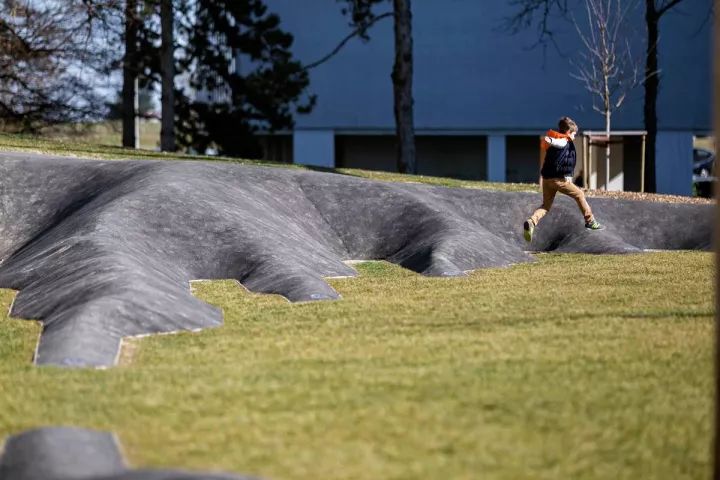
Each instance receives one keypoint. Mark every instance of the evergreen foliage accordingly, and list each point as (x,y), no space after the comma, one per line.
(235,73)
(240,60)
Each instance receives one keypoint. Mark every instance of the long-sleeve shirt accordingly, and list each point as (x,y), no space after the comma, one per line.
(557,142)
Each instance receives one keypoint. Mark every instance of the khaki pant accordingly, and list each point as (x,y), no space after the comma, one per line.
(550,186)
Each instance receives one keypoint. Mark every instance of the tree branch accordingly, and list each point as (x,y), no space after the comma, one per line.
(358,31)
(667,7)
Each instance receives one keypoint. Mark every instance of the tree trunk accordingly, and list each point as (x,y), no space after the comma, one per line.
(651,93)
(607,150)
(130,127)
(167,65)
(402,87)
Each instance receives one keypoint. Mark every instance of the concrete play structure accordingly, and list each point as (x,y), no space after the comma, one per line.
(101,250)
(64,453)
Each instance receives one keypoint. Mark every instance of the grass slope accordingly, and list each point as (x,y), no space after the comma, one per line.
(101,140)
(108,132)
(89,147)
(575,366)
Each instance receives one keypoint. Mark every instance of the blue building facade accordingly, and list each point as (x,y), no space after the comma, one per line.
(483,96)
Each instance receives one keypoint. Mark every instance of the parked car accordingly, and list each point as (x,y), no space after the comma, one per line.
(704,172)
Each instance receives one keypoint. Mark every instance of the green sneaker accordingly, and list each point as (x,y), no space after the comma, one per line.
(528,229)
(594,225)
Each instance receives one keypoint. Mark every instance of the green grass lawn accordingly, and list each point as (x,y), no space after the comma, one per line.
(100,142)
(575,366)
(103,133)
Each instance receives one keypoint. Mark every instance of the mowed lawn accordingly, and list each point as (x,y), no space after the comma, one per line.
(95,144)
(575,366)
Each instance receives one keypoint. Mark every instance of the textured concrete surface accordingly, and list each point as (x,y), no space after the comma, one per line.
(100,250)
(63,453)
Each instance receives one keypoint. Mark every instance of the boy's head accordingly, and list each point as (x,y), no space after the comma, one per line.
(568,126)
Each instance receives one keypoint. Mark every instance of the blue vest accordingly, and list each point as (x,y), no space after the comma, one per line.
(559,162)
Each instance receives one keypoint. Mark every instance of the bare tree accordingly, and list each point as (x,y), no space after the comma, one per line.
(49,53)
(608,68)
(527,14)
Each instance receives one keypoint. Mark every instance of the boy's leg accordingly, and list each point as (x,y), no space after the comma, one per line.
(549,189)
(572,190)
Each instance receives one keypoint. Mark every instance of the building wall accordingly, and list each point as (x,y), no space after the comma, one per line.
(674,161)
(315,148)
(473,79)
(470,75)
(523,158)
(464,156)
(458,157)
(444,156)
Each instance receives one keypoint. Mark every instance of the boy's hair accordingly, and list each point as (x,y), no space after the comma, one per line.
(566,125)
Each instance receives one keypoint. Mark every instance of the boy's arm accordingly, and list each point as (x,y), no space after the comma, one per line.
(556,142)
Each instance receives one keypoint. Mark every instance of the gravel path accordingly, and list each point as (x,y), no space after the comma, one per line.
(649,197)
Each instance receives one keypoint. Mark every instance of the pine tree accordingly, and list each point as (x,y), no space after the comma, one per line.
(240,61)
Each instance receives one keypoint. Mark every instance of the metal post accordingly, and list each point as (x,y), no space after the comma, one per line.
(642,165)
(136,109)
(586,177)
(590,164)
(607,164)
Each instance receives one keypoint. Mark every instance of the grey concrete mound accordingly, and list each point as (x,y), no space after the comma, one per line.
(63,453)
(101,250)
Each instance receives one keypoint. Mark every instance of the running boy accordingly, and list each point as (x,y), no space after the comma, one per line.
(557,176)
